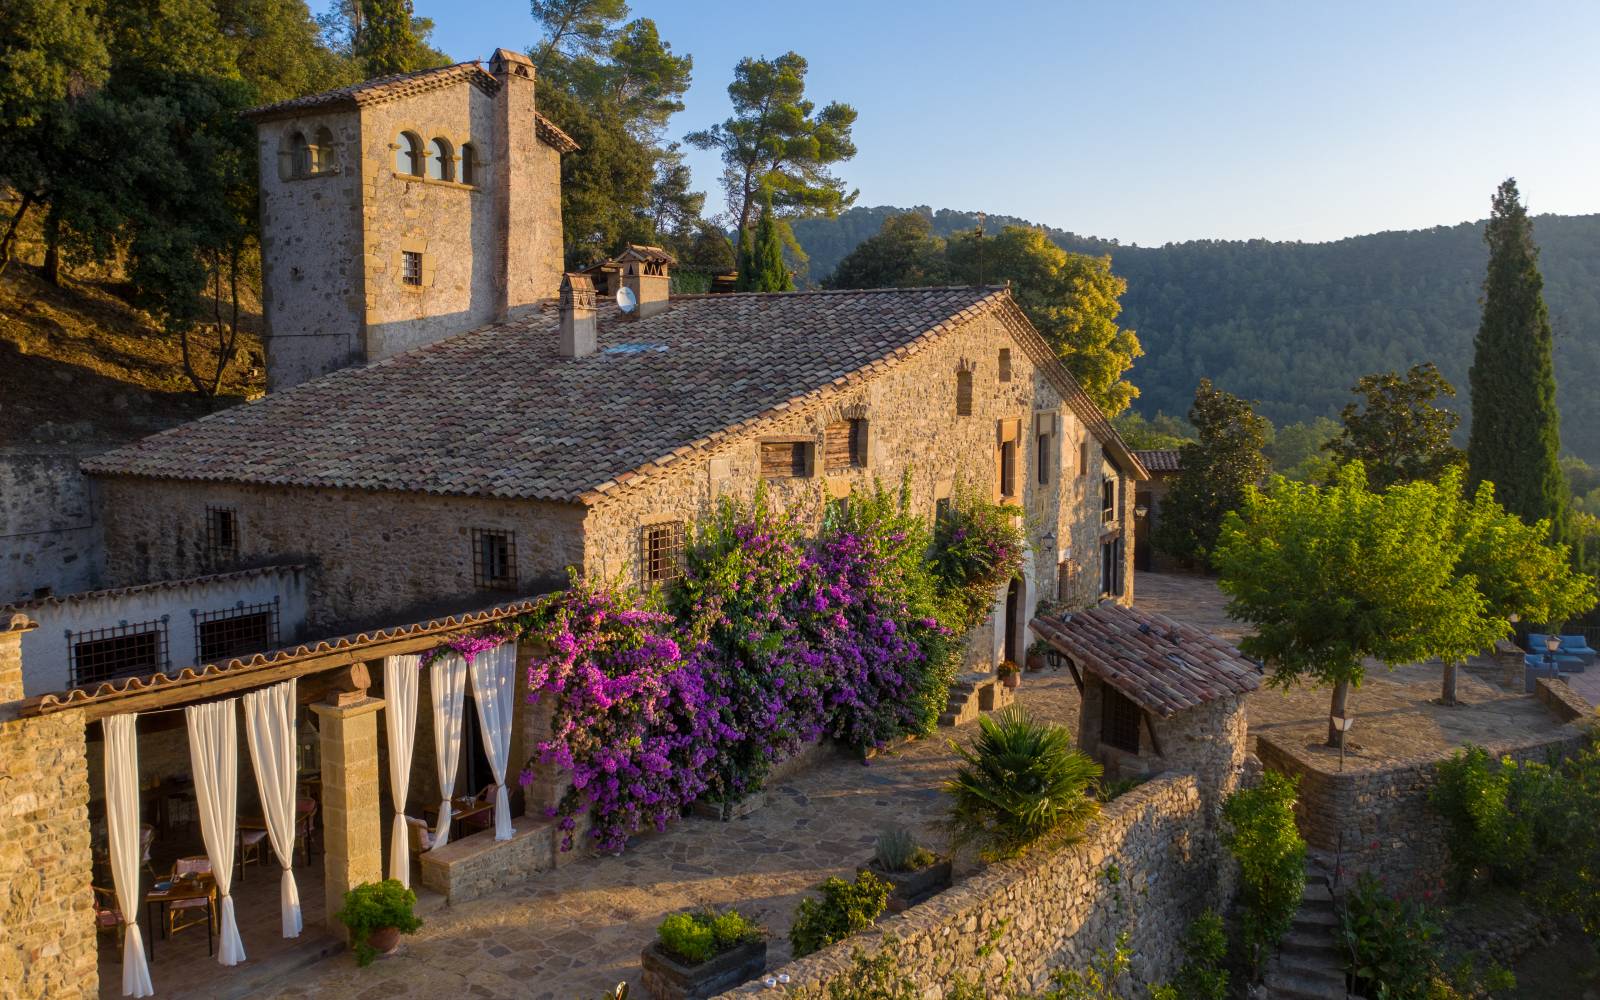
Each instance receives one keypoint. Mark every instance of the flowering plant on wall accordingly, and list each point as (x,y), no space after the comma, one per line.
(977,547)
(470,644)
(632,721)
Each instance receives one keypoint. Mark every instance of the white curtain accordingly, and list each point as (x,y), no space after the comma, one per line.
(493,686)
(122,826)
(400,718)
(447,680)
(269,726)
(214,759)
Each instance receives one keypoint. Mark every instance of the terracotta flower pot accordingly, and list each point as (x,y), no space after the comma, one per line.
(384,940)
(1035,662)
(1011,680)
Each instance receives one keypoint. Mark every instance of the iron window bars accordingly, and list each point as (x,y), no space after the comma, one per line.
(122,650)
(237,631)
(494,559)
(661,552)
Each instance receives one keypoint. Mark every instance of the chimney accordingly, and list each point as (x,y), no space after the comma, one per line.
(515,178)
(644,273)
(577,317)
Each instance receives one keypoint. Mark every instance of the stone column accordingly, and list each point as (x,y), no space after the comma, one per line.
(352,830)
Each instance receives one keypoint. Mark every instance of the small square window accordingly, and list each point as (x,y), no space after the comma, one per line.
(1108,500)
(845,445)
(1119,720)
(1005,364)
(1008,470)
(235,632)
(119,651)
(222,532)
(963,394)
(1043,462)
(661,552)
(411,267)
(786,459)
(1083,459)
(494,559)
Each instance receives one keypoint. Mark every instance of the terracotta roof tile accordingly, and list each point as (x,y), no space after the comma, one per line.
(1164,666)
(496,412)
(1163,460)
(56,600)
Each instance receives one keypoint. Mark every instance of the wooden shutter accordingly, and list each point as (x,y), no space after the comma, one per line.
(963,394)
(783,459)
(838,445)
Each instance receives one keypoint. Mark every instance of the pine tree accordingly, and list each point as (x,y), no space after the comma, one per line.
(1516,432)
(768,272)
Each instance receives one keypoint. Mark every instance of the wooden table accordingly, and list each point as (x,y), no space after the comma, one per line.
(204,887)
(460,808)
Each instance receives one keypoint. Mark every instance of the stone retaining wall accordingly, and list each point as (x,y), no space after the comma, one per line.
(1147,866)
(1379,819)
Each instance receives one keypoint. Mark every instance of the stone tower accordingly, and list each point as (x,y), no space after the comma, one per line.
(403,210)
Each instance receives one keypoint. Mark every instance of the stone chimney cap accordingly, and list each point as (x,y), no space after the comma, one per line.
(576,281)
(502,57)
(649,254)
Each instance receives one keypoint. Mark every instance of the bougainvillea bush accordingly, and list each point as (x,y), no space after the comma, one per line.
(633,721)
(977,549)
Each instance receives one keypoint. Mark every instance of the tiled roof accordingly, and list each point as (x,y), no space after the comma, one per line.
(1164,666)
(1164,460)
(56,600)
(496,412)
(392,88)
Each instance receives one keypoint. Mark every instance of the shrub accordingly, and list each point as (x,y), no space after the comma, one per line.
(1203,975)
(1019,780)
(1099,980)
(698,937)
(1493,811)
(373,906)
(1393,950)
(1261,834)
(845,908)
(875,977)
(897,850)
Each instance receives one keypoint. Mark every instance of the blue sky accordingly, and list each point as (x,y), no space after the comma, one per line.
(1153,121)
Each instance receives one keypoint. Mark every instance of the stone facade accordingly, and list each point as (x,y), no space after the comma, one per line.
(334,288)
(352,833)
(376,557)
(1209,740)
(48,947)
(48,537)
(1379,819)
(1147,866)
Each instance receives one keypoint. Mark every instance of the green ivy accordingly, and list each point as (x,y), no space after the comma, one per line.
(1204,973)
(1262,836)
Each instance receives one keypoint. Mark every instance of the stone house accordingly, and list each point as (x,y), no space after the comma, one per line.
(1163,466)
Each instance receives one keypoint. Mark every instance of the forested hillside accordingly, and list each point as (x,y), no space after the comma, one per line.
(1293,325)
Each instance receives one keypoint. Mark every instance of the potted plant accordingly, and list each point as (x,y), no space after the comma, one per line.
(1009,674)
(915,872)
(701,954)
(1037,651)
(377,913)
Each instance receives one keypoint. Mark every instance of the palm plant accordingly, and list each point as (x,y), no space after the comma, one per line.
(1019,781)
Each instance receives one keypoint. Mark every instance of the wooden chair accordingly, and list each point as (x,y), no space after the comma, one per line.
(147,836)
(483,820)
(107,915)
(421,835)
(305,821)
(180,912)
(250,848)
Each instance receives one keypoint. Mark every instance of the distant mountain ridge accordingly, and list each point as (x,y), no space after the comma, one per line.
(1293,325)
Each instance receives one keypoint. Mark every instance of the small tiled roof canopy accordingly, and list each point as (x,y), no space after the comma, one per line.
(498,412)
(1163,666)
(392,88)
(1164,460)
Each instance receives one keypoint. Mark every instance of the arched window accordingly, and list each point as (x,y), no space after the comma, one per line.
(408,158)
(322,158)
(299,156)
(469,164)
(441,162)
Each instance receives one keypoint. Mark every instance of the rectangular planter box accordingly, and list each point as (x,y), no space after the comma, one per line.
(664,978)
(911,888)
(725,811)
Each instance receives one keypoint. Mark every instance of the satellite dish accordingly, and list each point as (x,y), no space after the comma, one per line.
(626,300)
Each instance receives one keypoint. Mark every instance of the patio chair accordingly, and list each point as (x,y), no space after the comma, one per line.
(1578,645)
(421,835)
(483,820)
(107,916)
(250,849)
(181,912)
(147,836)
(1535,668)
(305,821)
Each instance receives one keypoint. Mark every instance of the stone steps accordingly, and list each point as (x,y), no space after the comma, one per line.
(973,694)
(1309,964)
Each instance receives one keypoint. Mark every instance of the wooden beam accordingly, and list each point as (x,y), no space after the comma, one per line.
(1150,726)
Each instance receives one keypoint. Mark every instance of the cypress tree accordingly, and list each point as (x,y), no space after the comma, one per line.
(1515,437)
(768,273)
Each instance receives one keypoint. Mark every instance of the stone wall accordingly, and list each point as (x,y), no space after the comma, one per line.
(1380,819)
(48,537)
(47,947)
(379,558)
(1147,866)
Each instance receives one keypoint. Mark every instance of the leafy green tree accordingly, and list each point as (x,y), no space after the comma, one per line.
(1260,833)
(387,40)
(903,254)
(1515,437)
(280,51)
(778,140)
(1397,432)
(1072,298)
(612,85)
(1217,472)
(1162,433)
(766,270)
(49,49)
(1299,450)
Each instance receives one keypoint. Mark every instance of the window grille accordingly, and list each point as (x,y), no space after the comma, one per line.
(222,532)
(494,559)
(845,445)
(411,267)
(233,632)
(125,650)
(1005,364)
(1119,719)
(661,552)
(785,459)
(963,394)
